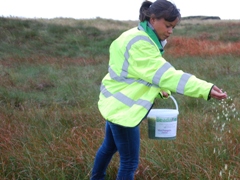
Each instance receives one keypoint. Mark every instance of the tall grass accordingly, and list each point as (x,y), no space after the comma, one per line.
(50,73)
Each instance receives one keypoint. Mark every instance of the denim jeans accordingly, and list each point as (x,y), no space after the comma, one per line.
(125,140)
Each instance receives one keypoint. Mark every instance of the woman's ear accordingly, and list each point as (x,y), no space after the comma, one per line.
(152,20)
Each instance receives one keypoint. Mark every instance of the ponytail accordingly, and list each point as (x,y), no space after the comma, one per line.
(144,12)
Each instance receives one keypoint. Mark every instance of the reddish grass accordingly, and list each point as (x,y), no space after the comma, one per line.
(177,47)
(181,46)
(9,133)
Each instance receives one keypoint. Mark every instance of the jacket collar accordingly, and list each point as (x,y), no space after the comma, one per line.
(147,27)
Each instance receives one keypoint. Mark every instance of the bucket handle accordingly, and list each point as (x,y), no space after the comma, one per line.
(174,100)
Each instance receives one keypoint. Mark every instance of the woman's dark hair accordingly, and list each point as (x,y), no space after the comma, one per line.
(159,9)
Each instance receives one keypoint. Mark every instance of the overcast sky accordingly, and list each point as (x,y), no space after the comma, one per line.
(111,9)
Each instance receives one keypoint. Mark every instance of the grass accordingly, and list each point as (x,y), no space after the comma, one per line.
(29,37)
(50,74)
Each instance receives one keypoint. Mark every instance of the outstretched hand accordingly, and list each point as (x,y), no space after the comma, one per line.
(217,93)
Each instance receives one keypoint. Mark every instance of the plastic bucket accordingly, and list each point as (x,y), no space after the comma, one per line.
(162,123)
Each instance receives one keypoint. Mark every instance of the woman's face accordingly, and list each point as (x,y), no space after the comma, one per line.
(162,27)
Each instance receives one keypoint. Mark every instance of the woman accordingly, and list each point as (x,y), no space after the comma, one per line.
(137,74)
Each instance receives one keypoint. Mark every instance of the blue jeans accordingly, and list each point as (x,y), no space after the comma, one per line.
(126,141)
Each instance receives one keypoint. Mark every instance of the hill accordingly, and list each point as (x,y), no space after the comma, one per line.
(202,17)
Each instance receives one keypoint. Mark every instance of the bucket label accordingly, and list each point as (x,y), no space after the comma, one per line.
(166,127)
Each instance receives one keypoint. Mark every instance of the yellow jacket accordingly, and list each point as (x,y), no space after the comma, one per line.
(137,73)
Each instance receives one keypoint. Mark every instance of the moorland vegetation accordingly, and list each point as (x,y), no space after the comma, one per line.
(50,74)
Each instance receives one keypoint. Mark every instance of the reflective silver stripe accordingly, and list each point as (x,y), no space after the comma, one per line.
(124,72)
(123,78)
(129,102)
(126,100)
(182,83)
(114,76)
(104,91)
(144,103)
(160,72)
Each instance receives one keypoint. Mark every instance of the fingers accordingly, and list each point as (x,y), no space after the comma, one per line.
(217,89)
(218,93)
(220,96)
(165,94)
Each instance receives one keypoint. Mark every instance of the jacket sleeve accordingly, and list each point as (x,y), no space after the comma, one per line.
(147,63)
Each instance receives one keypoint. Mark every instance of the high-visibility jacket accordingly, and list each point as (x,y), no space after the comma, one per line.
(137,73)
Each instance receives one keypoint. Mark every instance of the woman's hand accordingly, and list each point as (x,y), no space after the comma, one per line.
(217,93)
(165,94)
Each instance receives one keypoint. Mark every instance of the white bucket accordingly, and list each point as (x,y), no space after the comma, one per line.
(162,123)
